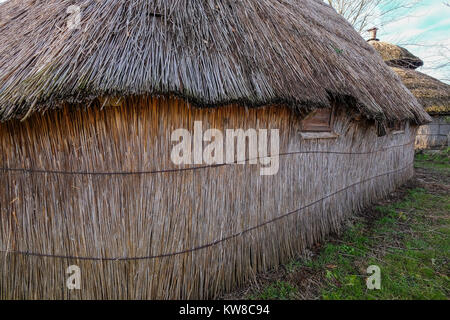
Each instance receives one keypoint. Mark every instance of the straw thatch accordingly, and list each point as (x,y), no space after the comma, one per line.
(396,56)
(433,94)
(253,52)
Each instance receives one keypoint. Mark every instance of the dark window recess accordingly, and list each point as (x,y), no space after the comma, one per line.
(156,14)
(381,129)
(396,126)
(320,120)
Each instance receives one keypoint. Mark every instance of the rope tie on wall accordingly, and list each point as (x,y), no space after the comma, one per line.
(211,244)
(43,171)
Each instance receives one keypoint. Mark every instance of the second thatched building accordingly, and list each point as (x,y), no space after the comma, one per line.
(434,95)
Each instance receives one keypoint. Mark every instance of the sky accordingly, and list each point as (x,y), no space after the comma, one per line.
(425,31)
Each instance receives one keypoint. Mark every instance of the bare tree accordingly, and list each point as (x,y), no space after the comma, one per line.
(363,14)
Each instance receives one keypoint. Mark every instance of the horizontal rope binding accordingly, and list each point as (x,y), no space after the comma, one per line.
(24,170)
(214,243)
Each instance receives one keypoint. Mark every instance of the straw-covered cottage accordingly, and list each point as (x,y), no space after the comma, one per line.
(433,94)
(92,94)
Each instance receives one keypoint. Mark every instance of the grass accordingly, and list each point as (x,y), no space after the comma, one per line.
(407,236)
(410,243)
(279,290)
(438,161)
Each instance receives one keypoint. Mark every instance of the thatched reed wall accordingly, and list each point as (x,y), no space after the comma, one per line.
(435,135)
(140,234)
(434,96)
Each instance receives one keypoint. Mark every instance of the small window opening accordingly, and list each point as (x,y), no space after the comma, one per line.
(396,126)
(381,129)
(318,125)
(320,120)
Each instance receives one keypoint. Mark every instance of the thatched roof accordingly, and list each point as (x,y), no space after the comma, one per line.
(396,56)
(253,52)
(433,94)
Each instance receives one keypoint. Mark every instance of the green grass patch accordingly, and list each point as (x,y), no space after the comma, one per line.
(280,290)
(439,161)
(409,241)
(410,244)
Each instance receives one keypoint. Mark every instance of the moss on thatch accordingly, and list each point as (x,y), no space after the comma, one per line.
(253,52)
(396,56)
(432,93)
